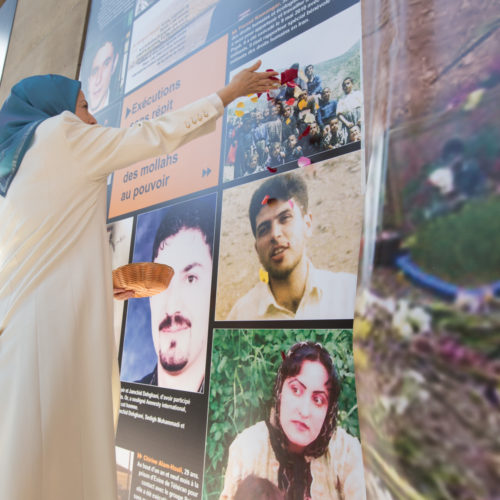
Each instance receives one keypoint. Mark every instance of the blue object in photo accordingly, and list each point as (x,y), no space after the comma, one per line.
(440,287)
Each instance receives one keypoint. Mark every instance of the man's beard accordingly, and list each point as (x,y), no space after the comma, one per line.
(281,274)
(169,359)
(170,364)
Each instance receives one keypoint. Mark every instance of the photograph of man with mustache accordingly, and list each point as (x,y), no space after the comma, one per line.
(291,288)
(179,314)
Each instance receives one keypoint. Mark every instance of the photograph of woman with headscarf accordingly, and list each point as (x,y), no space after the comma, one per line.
(299,446)
(58,365)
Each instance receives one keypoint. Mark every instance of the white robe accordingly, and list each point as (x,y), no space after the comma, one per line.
(57,353)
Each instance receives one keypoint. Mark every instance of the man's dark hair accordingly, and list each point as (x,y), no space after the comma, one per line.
(345,80)
(452,148)
(196,215)
(282,187)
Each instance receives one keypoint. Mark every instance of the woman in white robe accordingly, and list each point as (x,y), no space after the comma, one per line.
(57,355)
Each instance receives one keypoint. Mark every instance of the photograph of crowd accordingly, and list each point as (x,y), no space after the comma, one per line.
(319,109)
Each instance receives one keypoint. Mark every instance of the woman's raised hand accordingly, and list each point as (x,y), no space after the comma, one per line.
(248,81)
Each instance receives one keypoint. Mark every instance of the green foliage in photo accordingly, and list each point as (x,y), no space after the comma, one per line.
(462,247)
(244,367)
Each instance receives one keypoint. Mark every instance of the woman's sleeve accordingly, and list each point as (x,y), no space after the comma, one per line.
(233,471)
(353,475)
(101,150)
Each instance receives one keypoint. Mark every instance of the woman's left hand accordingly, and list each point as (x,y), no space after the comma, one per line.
(123,294)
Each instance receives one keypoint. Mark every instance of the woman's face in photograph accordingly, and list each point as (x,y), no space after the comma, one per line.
(303,405)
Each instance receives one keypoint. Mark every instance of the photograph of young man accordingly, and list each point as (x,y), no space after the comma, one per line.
(292,288)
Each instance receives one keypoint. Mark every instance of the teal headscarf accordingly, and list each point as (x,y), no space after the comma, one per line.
(31,101)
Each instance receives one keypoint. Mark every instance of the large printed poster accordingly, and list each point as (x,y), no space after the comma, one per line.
(238,379)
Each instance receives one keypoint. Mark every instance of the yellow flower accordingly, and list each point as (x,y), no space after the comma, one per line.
(360,358)
(263,276)
(361,328)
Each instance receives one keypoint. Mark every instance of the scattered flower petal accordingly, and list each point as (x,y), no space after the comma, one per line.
(254,98)
(265,200)
(239,113)
(290,201)
(305,132)
(240,105)
(290,101)
(263,276)
(271,169)
(289,75)
(303,161)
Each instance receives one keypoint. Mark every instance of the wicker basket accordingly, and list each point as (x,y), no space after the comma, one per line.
(144,278)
